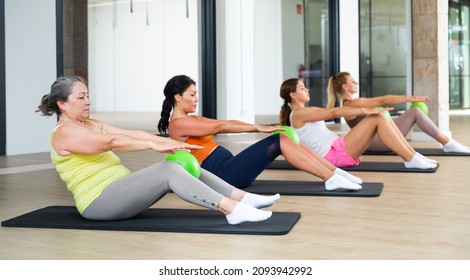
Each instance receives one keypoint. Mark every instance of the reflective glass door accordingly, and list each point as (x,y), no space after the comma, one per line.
(316,70)
(385,48)
(459,55)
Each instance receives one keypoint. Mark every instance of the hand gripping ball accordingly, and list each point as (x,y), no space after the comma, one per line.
(289,131)
(420,105)
(187,161)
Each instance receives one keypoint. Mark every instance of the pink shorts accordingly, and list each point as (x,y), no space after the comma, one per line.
(338,155)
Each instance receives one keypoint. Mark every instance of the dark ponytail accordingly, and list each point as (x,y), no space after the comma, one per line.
(284,115)
(176,85)
(165,115)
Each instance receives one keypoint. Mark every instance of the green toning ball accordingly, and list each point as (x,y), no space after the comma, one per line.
(289,131)
(420,105)
(187,161)
(386,113)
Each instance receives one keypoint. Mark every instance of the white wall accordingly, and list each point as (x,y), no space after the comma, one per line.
(349,37)
(30,53)
(268,65)
(133,55)
(235,60)
(252,54)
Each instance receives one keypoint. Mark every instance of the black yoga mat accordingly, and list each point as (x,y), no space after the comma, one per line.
(371,166)
(309,188)
(423,151)
(158,220)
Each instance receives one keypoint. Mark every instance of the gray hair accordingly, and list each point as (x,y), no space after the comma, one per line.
(60,91)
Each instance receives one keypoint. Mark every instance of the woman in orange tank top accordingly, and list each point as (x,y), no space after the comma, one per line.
(242,169)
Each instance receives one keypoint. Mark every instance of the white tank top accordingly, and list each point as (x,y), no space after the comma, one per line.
(316,135)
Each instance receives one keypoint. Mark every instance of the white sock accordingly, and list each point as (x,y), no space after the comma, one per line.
(349,176)
(245,213)
(259,201)
(426,159)
(420,163)
(456,147)
(339,182)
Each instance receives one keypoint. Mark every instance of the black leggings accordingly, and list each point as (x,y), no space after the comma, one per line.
(241,170)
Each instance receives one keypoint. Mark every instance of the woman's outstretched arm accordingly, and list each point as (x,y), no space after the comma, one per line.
(383,100)
(200,126)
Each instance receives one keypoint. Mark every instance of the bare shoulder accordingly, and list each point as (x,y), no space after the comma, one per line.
(184,120)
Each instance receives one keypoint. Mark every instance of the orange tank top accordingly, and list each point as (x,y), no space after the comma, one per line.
(205,141)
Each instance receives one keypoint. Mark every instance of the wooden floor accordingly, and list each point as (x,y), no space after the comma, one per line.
(417,216)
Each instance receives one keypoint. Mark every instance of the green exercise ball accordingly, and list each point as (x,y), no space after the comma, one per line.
(386,113)
(187,161)
(289,131)
(420,105)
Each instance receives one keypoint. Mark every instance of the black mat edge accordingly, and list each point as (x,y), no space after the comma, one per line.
(207,220)
(366,166)
(311,188)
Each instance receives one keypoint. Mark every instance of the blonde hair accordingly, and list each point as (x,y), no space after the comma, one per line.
(335,86)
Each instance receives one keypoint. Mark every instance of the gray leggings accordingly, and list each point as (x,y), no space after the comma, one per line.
(404,123)
(130,195)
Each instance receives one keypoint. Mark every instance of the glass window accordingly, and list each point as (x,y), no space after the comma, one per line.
(128,50)
(135,47)
(291,41)
(384,47)
(459,55)
(315,72)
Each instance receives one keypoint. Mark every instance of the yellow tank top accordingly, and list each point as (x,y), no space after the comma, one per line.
(86,176)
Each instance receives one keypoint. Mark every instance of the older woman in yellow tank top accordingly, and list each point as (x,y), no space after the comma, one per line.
(82,149)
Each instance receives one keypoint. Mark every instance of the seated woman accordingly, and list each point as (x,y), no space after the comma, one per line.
(309,122)
(104,189)
(240,170)
(344,85)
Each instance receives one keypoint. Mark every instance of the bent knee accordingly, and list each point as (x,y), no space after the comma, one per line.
(377,117)
(169,167)
(418,113)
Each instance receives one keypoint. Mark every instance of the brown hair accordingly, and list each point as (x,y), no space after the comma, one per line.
(287,87)
(335,86)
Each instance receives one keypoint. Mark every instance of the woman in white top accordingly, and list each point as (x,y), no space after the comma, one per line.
(309,122)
